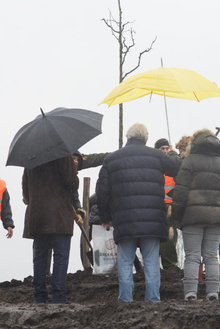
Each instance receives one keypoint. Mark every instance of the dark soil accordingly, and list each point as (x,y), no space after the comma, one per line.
(92,303)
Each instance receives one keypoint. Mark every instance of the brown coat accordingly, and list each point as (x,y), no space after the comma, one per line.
(47,190)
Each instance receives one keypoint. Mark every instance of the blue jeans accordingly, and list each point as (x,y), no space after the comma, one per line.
(126,250)
(60,243)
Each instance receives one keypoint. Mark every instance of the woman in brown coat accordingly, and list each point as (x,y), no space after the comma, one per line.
(47,189)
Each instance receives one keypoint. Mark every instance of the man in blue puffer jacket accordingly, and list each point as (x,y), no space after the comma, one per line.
(130,197)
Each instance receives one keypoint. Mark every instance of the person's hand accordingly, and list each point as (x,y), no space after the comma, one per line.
(107,225)
(79,221)
(171,233)
(10,233)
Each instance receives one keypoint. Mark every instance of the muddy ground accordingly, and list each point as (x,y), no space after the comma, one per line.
(92,303)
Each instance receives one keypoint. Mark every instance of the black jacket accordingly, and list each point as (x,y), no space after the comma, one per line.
(130,190)
(93,210)
(6,213)
(196,198)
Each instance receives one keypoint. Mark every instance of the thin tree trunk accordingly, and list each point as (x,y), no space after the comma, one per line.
(120,75)
(84,245)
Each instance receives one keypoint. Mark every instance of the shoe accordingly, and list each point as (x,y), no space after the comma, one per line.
(212,296)
(191,296)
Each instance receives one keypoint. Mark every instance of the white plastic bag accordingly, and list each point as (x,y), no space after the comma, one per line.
(104,251)
(180,250)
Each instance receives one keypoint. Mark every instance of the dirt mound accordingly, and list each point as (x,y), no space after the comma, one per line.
(92,303)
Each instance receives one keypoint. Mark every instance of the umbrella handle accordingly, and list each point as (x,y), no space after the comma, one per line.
(217,132)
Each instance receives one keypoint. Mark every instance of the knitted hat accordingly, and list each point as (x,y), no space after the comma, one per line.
(161,142)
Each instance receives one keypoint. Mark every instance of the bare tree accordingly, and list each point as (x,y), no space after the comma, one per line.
(120,30)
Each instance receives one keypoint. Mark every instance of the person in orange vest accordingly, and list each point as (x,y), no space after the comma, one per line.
(168,249)
(5,209)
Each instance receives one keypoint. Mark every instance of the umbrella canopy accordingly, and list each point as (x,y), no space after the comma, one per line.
(53,135)
(171,82)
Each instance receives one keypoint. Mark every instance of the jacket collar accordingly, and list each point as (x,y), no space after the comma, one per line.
(134,141)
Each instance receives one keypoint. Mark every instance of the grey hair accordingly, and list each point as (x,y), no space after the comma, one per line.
(138,131)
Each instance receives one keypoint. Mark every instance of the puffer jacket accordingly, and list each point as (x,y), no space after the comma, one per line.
(196,198)
(93,210)
(130,190)
(47,189)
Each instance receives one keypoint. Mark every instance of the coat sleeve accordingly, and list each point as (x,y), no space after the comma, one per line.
(92,200)
(103,195)
(68,173)
(77,204)
(171,163)
(181,192)
(6,213)
(93,160)
(25,187)
(76,201)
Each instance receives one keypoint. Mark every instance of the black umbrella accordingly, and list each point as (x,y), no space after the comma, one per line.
(53,135)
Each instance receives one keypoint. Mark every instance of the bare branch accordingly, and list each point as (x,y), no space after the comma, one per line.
(120,31)
(139,59)
(127,48)
(112,29)
(124,25)
(109,22)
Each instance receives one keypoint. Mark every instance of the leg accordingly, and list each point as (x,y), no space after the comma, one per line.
(210,258)
(41,246)
(125,255)
(168,254)
(150,251)
(168,249)
(192,239)
(49,261)
(61,247)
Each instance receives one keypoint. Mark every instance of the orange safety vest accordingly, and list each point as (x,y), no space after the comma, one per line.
(2,190)
(168,186)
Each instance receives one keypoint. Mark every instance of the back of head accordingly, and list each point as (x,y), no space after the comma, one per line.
(161,142)
(183,142)
(184,146)
(138,131)
(201,134)
(204,141)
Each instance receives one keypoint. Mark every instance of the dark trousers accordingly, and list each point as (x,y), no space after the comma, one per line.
(60,243)
(168,249)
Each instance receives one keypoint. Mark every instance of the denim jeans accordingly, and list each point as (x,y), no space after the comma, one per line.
(201,241)
(126,254)
(60,243)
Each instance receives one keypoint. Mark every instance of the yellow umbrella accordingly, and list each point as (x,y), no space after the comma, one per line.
(171,82)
